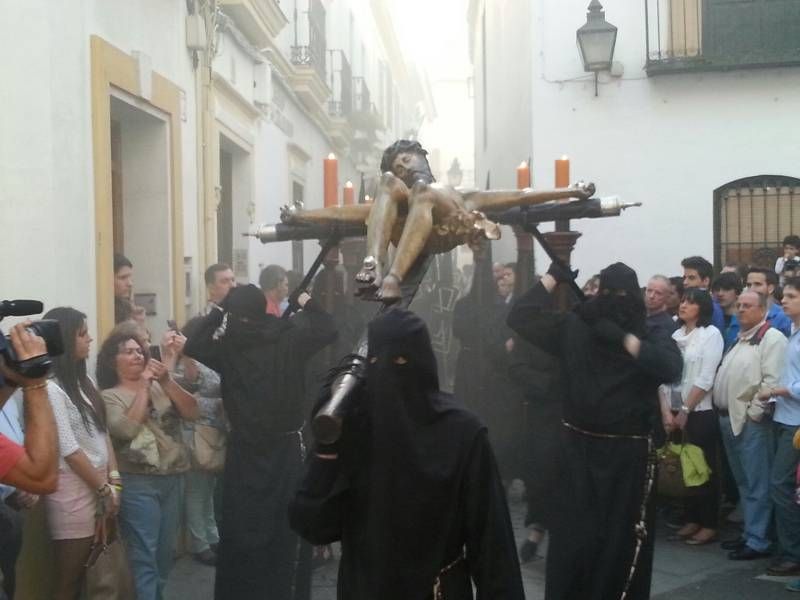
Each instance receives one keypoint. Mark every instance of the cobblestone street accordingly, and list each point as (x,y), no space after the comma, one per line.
(680,573)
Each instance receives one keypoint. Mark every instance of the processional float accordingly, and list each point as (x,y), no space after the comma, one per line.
(420,219)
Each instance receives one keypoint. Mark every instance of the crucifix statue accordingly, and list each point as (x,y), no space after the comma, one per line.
(420,216)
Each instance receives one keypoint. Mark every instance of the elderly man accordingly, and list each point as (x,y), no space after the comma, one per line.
(655,301)
(753,363)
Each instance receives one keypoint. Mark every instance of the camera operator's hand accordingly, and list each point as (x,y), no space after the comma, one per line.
(27,345)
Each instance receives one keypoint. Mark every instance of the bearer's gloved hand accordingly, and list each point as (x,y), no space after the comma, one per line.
(560,274)
(607,330)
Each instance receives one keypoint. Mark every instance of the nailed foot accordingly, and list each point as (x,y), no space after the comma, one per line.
(390,290)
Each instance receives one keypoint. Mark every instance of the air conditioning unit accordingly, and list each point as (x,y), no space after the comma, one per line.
(262,83)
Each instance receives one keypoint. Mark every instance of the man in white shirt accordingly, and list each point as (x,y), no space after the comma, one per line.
(753,363)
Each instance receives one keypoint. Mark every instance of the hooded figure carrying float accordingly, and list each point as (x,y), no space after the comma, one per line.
(601,544)
(412,488)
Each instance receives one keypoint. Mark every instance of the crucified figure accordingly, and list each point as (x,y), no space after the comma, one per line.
(420,216)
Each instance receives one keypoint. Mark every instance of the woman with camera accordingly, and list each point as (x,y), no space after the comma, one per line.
(88,481)
(145,407)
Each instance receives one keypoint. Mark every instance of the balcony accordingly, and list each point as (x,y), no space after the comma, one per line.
(308,54)
(364,116)
(340,82)
(718,35)
(260,20)
(308,49)
(340,104)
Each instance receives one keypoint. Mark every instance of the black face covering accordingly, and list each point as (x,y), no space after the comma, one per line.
(401,368)
(619,299)
(247,320)
(411,457)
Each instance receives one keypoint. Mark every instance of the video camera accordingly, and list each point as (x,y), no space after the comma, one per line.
(48,329)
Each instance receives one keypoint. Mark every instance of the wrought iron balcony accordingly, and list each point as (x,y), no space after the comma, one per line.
(340,81)
(697,35)
(365,115)
(309,36)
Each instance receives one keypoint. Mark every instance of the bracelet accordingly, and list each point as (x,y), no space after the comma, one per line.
(114,475)
(685,409)
(38,386)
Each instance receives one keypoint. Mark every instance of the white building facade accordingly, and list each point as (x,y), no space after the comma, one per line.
(697,120)
(166,130)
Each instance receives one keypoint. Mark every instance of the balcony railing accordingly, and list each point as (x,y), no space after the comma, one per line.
(691,35)
(340,81)
(309,36)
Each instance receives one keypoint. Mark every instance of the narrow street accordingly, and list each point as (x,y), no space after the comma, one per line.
(680,573)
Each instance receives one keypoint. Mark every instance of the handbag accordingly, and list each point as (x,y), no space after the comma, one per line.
(682,468)
(108,576)
(209,448)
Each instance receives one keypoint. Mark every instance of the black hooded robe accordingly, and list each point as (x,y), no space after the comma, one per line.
(261,364)
(415,489)
(600,491)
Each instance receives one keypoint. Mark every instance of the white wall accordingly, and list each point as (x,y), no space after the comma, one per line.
(46,201)
(666,141)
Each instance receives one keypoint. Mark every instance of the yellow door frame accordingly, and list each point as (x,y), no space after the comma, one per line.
(113,68)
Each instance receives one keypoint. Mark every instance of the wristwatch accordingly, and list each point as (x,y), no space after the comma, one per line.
(685,409)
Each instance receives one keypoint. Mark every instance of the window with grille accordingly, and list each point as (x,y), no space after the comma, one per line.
(751,218)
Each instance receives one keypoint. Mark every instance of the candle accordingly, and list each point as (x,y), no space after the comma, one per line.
(330,179)
(523,176)
(348,194)
(562,172)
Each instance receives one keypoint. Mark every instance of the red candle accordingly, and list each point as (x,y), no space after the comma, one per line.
(562,172)
(523,176)
(331,180)
(348,194)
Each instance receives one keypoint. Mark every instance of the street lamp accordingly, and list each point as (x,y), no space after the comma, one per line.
(596,40)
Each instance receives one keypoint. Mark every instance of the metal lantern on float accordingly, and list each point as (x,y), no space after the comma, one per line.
(596,41)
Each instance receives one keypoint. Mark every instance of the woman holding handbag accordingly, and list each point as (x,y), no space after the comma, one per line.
(701,346)
(88,481)
(145,407)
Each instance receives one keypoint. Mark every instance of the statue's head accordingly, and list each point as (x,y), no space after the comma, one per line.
(407,160)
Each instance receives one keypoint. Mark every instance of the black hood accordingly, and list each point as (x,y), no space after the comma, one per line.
(247,322)
(618,299)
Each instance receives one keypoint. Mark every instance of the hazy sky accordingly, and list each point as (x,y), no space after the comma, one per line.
(434,34)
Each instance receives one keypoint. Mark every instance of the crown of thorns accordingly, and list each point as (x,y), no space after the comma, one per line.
(399,147)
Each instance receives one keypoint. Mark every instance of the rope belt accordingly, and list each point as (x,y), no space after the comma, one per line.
(612,436)
(640,527)
(437,583)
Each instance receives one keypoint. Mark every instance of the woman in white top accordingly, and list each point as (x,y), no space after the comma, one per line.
(689,408)
(88,481)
